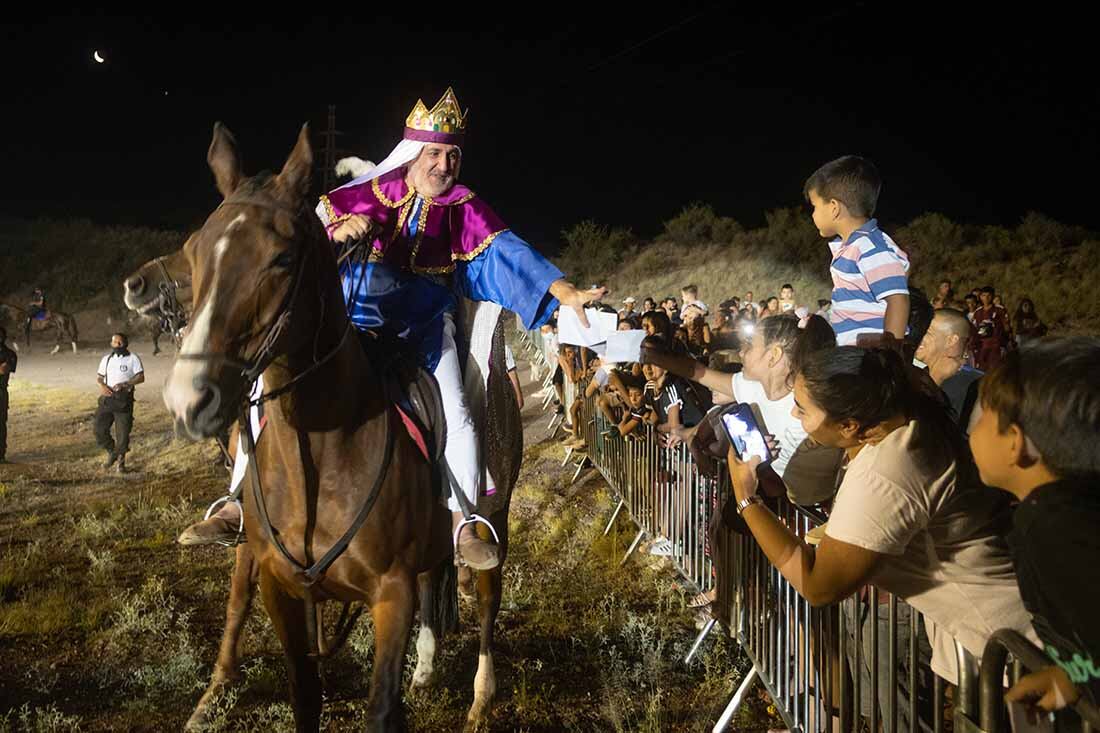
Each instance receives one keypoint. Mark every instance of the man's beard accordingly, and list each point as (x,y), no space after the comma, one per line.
(440,184)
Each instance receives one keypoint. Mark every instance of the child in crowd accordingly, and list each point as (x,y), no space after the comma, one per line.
(771,307)
(673,405)
(869,270)
(689,295)
(673,401)
(786,298)
(635,413)
(649,304)
(572,366)
(1037,439)
(970,305)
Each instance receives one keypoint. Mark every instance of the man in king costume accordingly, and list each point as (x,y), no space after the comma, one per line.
(431,241)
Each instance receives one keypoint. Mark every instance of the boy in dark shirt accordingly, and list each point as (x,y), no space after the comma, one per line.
(636,413)
(670,397)
(1038,439)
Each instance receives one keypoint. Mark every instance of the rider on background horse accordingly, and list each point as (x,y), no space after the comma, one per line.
(430,241)
(36,309)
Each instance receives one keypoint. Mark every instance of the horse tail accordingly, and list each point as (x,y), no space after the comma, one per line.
(445,597)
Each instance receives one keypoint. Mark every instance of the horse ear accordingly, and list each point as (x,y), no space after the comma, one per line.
(224,161)
(295,177)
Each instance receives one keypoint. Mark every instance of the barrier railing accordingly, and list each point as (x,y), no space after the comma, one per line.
(863,661)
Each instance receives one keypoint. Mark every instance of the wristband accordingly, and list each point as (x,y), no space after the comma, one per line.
(748,501)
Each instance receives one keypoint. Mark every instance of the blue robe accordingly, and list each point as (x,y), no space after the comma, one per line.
(507,272)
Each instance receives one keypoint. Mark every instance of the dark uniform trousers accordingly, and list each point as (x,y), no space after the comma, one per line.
(117,410)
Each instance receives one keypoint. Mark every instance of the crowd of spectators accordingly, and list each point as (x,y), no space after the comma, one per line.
(898,417)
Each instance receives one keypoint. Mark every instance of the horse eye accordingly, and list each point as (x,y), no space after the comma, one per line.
(284,260)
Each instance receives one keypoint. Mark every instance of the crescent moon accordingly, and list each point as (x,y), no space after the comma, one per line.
(98,58)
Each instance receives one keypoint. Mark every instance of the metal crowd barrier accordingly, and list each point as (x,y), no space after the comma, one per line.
(861,663)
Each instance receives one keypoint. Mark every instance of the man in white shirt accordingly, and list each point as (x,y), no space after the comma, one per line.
(119,372)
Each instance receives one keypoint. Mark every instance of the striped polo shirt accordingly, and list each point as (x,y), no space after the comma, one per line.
(866,269)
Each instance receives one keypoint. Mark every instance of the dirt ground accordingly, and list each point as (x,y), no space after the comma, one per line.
(107,624)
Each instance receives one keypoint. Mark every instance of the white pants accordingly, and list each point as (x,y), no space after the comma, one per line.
(239,465)
(461,451)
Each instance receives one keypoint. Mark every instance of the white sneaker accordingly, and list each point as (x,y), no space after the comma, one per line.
(662,547)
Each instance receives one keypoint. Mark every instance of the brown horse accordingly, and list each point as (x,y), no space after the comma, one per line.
(63,324)
(267,297)
(159,293)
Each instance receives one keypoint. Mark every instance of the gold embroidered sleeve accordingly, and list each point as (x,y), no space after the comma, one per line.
(467,256)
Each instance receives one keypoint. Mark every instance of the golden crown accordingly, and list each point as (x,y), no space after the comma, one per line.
(445,117)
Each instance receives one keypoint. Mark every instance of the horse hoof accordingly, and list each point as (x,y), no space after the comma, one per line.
(55,350)
(422,681)
(477,719)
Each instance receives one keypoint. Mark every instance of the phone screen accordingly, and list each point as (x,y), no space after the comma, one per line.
(745,435)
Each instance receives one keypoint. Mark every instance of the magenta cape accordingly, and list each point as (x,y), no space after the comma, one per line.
(455,226)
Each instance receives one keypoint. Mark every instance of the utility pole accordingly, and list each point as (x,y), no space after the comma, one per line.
(329,152)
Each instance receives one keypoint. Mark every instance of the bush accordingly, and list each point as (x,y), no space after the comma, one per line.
(592,252)
(697,224)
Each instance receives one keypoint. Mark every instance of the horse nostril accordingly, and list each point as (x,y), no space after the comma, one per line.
(136,285)
(203,412)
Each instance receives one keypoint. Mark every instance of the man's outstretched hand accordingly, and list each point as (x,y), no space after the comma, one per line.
(571,297)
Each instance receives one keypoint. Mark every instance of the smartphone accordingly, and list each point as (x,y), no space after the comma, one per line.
(744,434)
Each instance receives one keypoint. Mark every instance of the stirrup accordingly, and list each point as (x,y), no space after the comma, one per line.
(472,519)
(240,527)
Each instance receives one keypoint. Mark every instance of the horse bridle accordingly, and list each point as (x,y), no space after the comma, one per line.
(252,368)
(173,316)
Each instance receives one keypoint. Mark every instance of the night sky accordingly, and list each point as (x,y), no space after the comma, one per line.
(617,114)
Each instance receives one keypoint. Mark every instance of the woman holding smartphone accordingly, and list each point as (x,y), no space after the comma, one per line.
(911,515)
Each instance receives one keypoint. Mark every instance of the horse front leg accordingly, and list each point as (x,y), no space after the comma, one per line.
(288,616)
(392,611)
(242,588)
(60,339)
(489,593)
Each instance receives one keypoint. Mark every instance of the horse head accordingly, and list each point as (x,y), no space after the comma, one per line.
(143,289)
(256,259)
